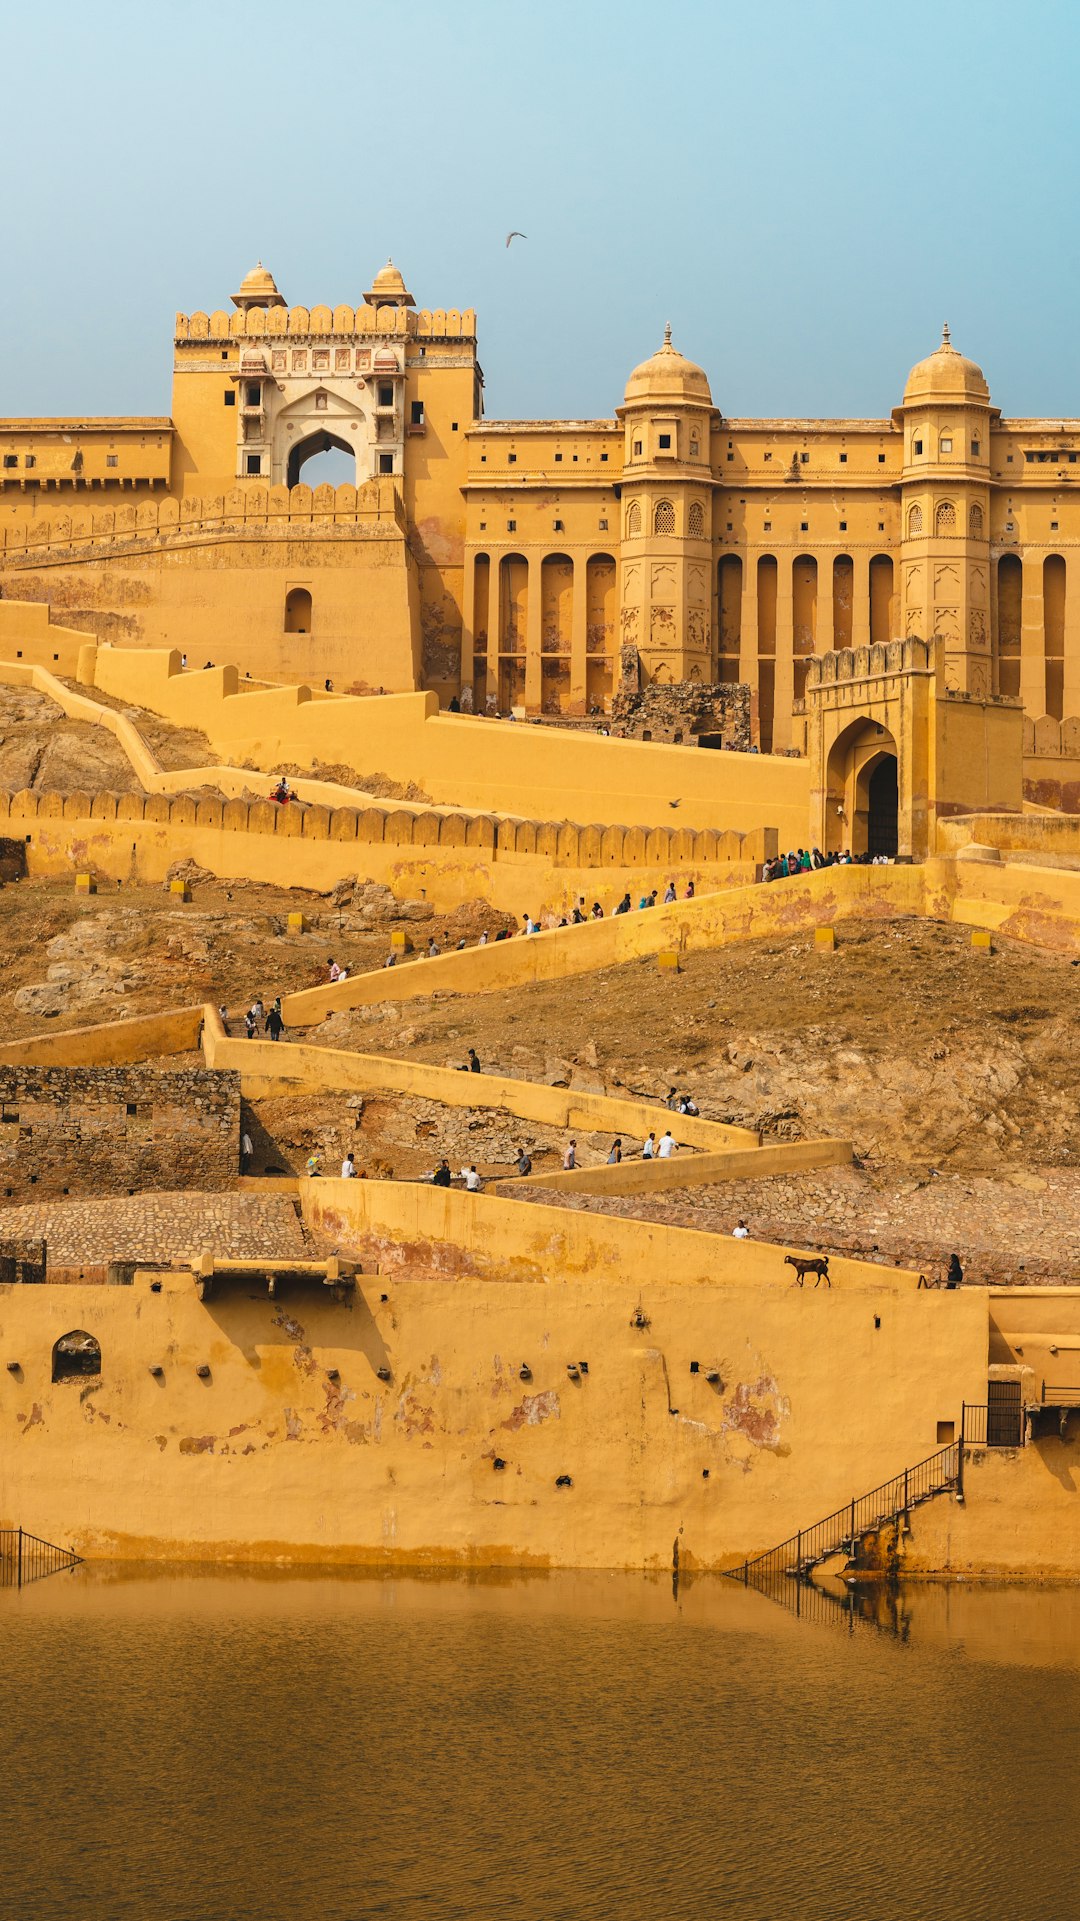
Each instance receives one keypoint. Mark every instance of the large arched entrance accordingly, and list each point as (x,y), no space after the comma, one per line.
(338,471)
(862,801)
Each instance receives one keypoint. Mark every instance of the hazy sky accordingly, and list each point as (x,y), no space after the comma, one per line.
(804,190)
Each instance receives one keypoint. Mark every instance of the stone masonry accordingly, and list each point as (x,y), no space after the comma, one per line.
(102,1130)
(679,712)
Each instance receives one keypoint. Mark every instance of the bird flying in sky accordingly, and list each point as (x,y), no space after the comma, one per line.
(516,235)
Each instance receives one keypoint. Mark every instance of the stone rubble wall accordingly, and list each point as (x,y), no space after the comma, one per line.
(94,1130)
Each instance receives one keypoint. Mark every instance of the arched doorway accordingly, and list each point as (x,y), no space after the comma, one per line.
(298,611)
(339,470)
(883,808)
(862,804)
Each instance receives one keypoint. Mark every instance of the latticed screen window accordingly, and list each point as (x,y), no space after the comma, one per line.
(914,521)
(696,522)
(633,518)
(945,521)
(664,518)
(975,520)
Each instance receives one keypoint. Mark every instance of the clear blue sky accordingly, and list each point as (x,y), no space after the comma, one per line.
(804,190)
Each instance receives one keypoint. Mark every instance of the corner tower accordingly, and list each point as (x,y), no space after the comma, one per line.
(666,599)
(945,514)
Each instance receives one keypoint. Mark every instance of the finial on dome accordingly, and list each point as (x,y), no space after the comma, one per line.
(946,337)
(667,334)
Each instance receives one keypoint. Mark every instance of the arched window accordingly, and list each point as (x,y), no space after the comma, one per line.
(75,1355)
(695,525)
(633,518)
(914,522)
(664,518)
(975,520)
(945,518)
(298,611)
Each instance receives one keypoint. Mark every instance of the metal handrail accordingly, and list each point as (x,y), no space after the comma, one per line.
(25,1557)
(843,1528)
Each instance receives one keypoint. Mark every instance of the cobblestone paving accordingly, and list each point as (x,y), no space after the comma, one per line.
(160,1226)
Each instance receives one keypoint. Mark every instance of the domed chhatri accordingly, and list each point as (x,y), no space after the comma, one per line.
(258,289)
(946,375)
(667,375)
(388,289)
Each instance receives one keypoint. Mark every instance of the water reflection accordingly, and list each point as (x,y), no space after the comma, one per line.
(244,1745)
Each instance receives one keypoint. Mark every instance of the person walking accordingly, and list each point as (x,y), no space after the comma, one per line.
(247,1151)
(524,1163)
(615,1155)
(275,1026)
(472,1180)
(474,1063)
(667,1146)
(348,1168)
(648,1150)
(442,1175)
(741,1232)
(669,893)
(333,969)
(249,1024)
(313,1165)
(569,1159)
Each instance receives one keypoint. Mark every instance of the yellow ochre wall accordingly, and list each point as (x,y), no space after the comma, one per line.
(268,1458)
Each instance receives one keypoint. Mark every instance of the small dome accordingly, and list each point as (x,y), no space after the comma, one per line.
(386,361)
(388,289)
(258,289)
(667,376)
(946,375)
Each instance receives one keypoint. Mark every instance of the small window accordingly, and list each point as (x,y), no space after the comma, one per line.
(511,526)
(416,413)
(946,444)
(224,353)
(386,396)
(31,460)
(731,456)
(916,447)
(11,460)
(112,460)
(453,426)
(9,1114)
(730,526)
(768,527)
(768,456)
(1053,524)
(843,526)
(804,526)
(483,526)
(511,460)
(603,526)
(843,460)
(386,463)
(803,459)
(665,440)
(254,394)
(637,446)
(603,456)
(229,396)
(946,1433)
(320,403)
(75,1355)
(254,463)
(664,518)
(298,611)
(881,457)
(558,456)
(1009,458)
(693,450)
(132,1109)
(975,448)
(558,527)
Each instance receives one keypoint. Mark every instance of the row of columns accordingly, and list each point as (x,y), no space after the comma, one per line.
(533,657)
(783,656)
(1036,692)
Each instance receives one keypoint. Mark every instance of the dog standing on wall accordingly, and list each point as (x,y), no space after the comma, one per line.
(805,1264)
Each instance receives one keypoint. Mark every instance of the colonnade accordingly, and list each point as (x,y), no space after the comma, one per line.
(1036,631)
(540,630)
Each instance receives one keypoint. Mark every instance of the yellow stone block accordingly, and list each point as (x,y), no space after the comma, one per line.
(825,939)
(297,923)
(180,889)
(980,941)
(398,940)
(669,959)
(85,884)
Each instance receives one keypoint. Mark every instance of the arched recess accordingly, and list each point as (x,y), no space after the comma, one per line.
(556,608)
(881,599)
(1054,633)
(766,637)
(729,610)
(298,611)
(1010,599)
(601,617)
(861,804)
(804,616)
(513,614)
(75,1356)
(481,619)
(843,588)
(309,449)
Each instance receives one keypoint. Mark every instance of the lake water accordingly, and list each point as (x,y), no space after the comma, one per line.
(245,1746)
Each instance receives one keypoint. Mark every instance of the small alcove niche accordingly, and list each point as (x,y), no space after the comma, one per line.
(75,1356)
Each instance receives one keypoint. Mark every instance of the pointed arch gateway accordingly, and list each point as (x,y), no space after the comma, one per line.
(322,441)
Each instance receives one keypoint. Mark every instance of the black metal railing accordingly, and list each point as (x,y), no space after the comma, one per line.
(973,1423)
(841,1531)
(26,1557)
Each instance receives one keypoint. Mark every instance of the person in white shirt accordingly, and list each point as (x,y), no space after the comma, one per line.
(667,1145)
(348,1168)
(472,1180)
(246,1151)
(742,1232)
(648,1151)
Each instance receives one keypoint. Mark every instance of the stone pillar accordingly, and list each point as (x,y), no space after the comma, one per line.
(1032,639)
(533,630)
(579,614)
(748,638)
(784,683)
(1071,700)
(860,599)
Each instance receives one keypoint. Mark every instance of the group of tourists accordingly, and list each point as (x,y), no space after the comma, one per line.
(806,860)
(258,1019)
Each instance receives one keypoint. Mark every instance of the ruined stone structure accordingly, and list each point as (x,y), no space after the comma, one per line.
(680,712)
(507,562)
(94,1130)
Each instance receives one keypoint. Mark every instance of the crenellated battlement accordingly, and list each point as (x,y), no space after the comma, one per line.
(265,509)
(260,323)
(870,663)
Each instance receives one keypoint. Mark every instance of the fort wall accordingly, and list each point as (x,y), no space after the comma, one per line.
(116,1129)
